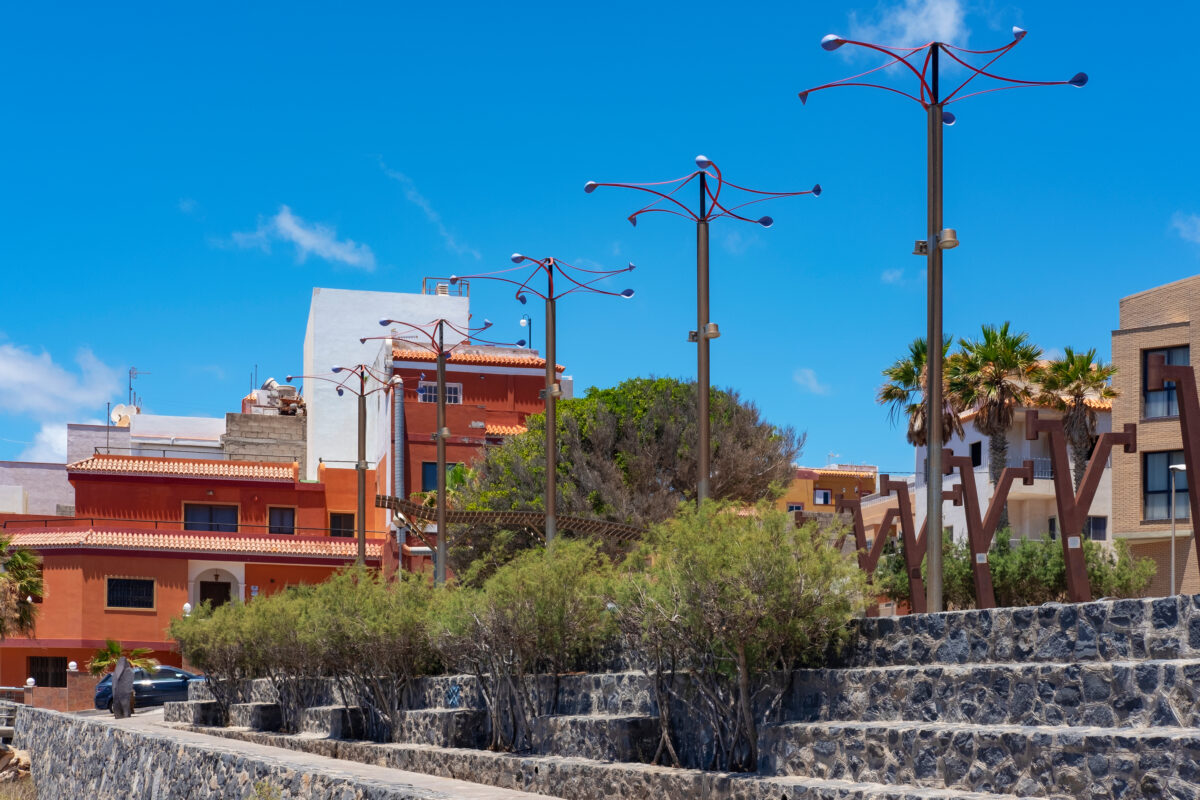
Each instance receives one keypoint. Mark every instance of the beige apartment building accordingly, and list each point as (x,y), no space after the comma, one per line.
(1164,320)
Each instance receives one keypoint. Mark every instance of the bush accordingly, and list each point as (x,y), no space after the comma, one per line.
(728,595)
(1029,574)
(544,612)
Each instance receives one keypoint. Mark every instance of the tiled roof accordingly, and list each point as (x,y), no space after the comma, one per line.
(191,542)
(848,473)
(1094,403)
(186,468)
(476,359)
(494,429)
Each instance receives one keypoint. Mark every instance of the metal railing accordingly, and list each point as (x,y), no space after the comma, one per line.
(208,454)
(51,523)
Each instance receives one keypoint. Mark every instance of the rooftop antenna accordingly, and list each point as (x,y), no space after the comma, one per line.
(133,373)
(832,457)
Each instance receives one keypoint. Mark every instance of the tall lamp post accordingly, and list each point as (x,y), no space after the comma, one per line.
(1174,471)
(924,62)
(711,207)
(577,279)
(365,374)
(432,338)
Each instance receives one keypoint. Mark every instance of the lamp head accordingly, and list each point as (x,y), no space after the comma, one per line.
(524,321)
(521,297)
(631,267)
(338,369)
(517,258)
(341,392)
(487,323)
(627,293)
(385,322)
(590,186)
(803,98)
(816,190)
(948,239)
(520,342)
(633,220)
(703,162)
(1019,33)
(766,222)
(289,378)
(1079,80)
(948,118)
(831,42)
(453,280)
(362,340)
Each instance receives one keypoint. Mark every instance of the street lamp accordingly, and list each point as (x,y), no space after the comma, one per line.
(527,322)
(931,98)
(363,372)
(433,340)
(1174,470)
(711,208)
(578,280)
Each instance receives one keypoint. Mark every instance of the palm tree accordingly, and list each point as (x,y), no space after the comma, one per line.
(1072,384)
(994,376)
(904,392)
(106,658)
(20,582)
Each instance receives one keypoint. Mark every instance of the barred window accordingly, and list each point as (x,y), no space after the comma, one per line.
(130,593)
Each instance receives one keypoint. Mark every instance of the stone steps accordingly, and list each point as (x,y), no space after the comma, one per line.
(588,779)
(1035,761)
(1105,694)
(333,722)
(603,737)
(444,727)
(193,712)
(258,716)
(1112,630)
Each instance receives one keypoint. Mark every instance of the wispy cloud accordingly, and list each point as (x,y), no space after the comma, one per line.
(913,22)
(736,243)
(806,379)
(452,242)
(309,238)
(32,385)
(1187,226)
(892,276)
(187,205)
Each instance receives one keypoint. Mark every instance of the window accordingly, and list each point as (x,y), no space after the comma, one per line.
(428,476)
(795,507)
(1156,486)
(130,593)
(822,497)
(1162,403)
(198,517)
(48,670)
(281,520)
(341,524)
(427,393)
(1097,528)
(976,454)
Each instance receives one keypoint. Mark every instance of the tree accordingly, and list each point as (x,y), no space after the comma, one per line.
(904,393)
(1072,384)
(107,657)
(20,581)
(628,454)
(994,376)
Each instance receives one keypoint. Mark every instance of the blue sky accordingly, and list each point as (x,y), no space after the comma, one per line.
(175,181)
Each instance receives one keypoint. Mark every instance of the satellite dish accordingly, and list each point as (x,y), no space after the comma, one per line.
(121,410)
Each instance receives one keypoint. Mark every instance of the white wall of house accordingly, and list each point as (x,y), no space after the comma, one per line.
(337,319)
(1030,508)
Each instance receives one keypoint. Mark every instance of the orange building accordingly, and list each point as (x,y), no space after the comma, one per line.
(152,535)
(816,489)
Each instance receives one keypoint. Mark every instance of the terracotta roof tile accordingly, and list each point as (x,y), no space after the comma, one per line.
(494,429)
(500,359)
(191,542)
(186,467)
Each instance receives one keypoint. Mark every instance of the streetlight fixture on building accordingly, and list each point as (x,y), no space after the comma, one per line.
(577,279)
(711,208)
(924,63)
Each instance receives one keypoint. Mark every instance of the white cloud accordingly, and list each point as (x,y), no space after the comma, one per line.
(737,244)
(420,201)
(913,22)
(806,379)
(1187,226)
(33,385)
(49,444)
(310,238)
(892,276)
(187,205)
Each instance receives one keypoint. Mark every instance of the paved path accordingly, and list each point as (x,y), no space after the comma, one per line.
(151,723)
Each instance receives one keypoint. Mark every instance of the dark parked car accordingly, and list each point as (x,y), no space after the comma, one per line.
(163,685)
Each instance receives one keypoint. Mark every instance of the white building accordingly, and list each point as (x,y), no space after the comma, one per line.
(337,320)
(1032,510)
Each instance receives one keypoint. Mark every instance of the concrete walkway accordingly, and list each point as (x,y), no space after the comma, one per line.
(150,722)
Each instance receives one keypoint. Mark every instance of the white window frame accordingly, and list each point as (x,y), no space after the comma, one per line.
(823,493)
(427,393)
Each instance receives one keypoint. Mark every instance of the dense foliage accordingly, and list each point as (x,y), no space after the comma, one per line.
(1028,574)
(20,582)
(628,454)
(712,606)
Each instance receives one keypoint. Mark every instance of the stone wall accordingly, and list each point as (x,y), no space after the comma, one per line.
(265,437)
